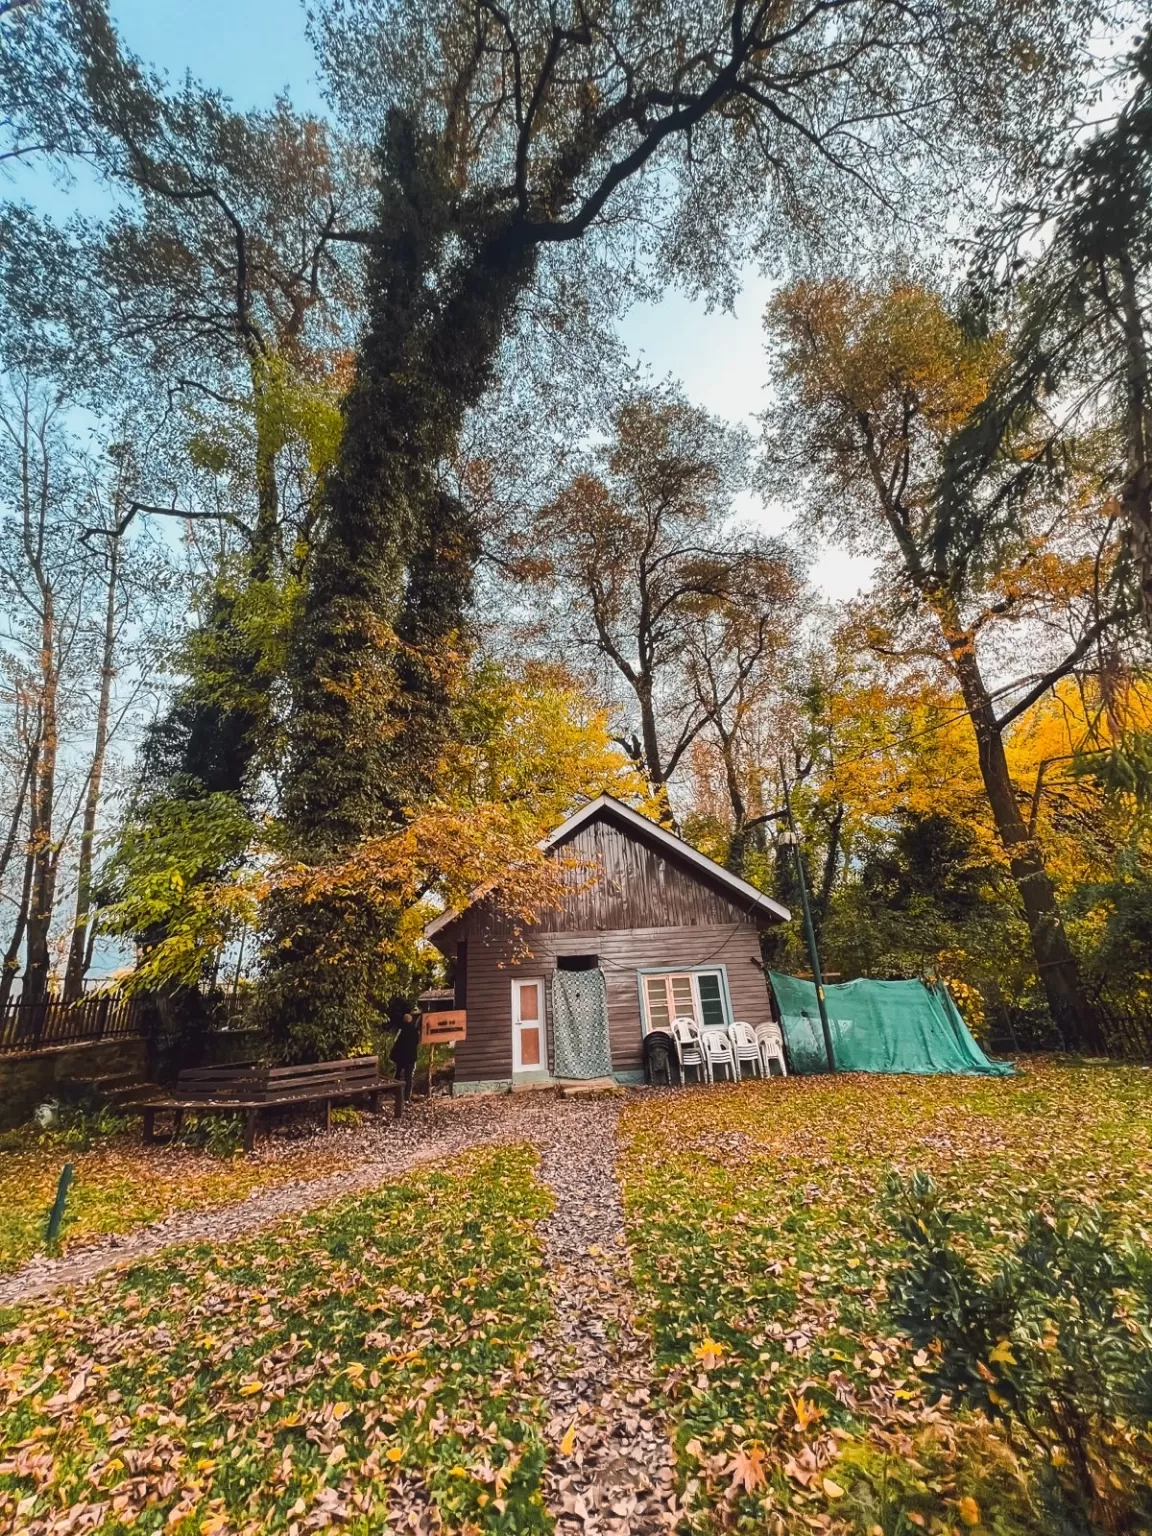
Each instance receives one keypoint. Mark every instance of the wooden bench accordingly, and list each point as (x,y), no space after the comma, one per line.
(252,1088)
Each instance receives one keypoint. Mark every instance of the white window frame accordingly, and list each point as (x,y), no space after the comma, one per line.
(518,1067)
(691,971)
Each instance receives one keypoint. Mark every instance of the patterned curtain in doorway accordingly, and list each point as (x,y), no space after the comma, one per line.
(580,1025)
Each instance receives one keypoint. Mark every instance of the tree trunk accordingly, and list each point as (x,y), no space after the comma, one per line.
(18,810)
(1055,962)
(831,864)
(268,444)
(653,762)
(369,721)
(12,955)
(1136,493)
(43,894)
(79,948)
(738,845)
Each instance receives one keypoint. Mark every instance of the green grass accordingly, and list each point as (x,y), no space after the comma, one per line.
(308,1371)
(121,1184)
(762,1253)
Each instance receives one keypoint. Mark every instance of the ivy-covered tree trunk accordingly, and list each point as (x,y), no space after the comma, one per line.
(385,620)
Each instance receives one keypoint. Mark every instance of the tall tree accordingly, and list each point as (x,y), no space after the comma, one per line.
(44,584)
(655,584)
(504,133)
(879,380)
(215,277)
(111,626)
(1070,271)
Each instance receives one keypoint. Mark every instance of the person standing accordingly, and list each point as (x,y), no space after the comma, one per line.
(406,1048)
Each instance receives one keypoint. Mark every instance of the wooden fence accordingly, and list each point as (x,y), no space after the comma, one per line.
(1126,1035)
(33,1026)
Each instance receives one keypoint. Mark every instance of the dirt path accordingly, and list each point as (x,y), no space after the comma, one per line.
(612,1468)
(428,1133)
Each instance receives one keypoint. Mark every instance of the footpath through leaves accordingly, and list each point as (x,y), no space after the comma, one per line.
(765,1250)
(367,1360)
(121,1184)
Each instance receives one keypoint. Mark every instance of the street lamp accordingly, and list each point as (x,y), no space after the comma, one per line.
(788,837)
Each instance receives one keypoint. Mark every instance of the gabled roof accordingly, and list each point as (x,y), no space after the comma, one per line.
(745,895)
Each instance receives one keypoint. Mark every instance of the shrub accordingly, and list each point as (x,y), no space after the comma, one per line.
(1052,1337)
(218,1135)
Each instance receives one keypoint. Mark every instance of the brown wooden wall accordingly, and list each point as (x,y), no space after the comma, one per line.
(642,909)
(619,882)
(486,1054)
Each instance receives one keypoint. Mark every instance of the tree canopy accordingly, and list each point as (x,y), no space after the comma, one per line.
(346,389)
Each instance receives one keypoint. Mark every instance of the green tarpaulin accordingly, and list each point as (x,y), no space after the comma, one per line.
(879,1026)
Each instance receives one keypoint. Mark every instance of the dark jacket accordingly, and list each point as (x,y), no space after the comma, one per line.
(406,1043)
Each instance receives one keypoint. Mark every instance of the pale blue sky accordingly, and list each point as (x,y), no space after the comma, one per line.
(253,49)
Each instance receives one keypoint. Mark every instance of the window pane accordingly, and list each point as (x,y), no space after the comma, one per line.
(711,1000)
(657,994)
(683,999)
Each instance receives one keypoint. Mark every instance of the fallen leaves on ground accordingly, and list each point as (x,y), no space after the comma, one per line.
(120,1184)
(762,1254)
(367,1359)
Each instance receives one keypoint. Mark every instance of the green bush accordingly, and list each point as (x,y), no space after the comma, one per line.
(219,1135)
(1051,1335)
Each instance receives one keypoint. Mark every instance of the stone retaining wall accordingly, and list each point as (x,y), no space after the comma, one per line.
(27,1078)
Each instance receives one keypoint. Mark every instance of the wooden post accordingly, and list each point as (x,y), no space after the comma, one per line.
(57,1216)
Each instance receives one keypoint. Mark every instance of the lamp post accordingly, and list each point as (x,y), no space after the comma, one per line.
(790,838)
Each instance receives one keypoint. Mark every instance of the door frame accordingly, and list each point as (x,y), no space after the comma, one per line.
(518,1067)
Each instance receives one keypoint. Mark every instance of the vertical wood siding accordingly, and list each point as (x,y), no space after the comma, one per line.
(642,912)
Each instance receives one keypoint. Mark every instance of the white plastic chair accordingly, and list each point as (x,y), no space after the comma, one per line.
(745,1048)
(771,1043)
(718,1053)
(690,1048)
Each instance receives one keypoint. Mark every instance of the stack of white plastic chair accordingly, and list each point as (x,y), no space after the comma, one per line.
(771,1043)
(718,1053)
(686,1033)
(745,1048)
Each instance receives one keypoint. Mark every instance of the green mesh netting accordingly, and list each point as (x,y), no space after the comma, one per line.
(879,1026)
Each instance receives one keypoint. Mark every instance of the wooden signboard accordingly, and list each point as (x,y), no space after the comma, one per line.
(442,1027)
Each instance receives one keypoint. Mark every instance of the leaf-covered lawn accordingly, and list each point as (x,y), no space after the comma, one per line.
(373,1353)
(762,1249)
(119,1184)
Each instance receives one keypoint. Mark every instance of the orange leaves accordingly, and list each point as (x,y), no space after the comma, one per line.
(969,1510)
(878,371)
(454,851)
(749,1469)
(805,1413)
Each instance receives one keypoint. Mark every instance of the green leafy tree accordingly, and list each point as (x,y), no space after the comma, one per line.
(180,886)
(882,379)
(1069,272)
(215,284)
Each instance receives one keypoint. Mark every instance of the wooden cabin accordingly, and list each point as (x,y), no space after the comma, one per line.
(651,929)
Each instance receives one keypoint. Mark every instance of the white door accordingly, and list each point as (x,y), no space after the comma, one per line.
(528,1053)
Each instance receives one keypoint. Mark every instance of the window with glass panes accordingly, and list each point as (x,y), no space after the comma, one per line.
(695,995)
